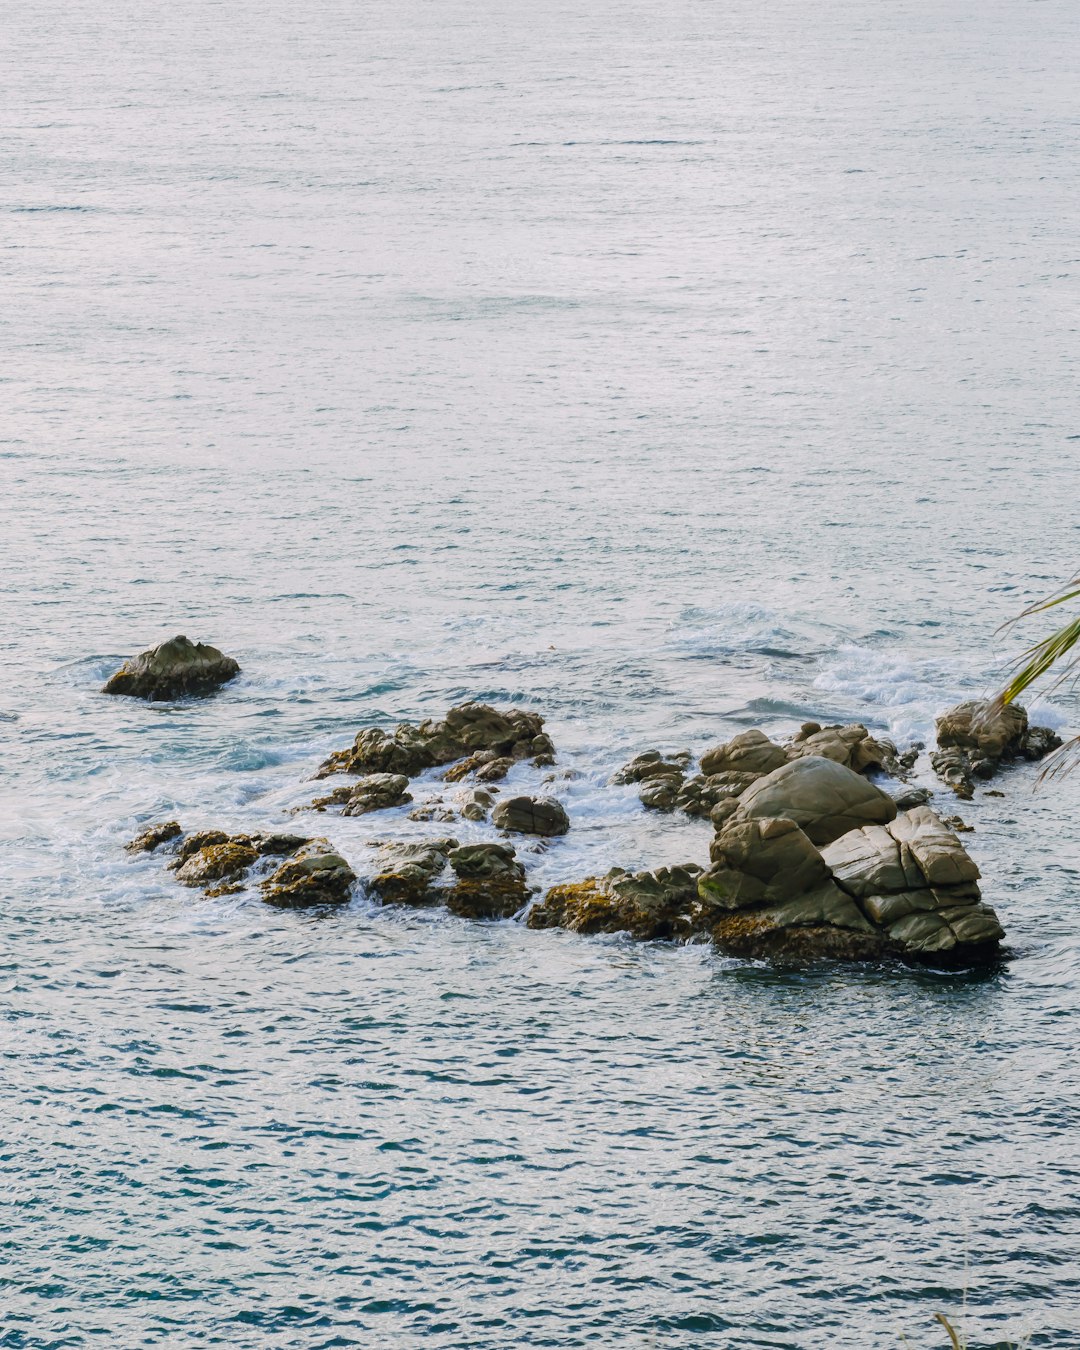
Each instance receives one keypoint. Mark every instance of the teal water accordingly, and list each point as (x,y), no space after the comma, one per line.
(667,371)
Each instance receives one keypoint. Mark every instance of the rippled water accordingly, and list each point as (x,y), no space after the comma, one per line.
(669,370)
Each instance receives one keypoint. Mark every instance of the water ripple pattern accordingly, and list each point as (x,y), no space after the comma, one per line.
(670,370)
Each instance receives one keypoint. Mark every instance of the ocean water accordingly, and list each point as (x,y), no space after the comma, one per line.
(669,370)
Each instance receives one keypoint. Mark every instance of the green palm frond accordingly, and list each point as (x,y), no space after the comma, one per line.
(1052,653)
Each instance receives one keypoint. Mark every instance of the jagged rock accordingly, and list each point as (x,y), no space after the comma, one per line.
(912,796)
(661,793)
(749,752)
(723,811)
(698,795)
(279,845)
(823,797)
(958,823)
(316,875)
(761,861)
(490,882)
(531,815)
(226,861)
(660,904)
(193,843)
(153,836)
(409,871)
(652,764)
(377,792)
(953,767)
(852,746)
(466,731)
(171,670)
(975,738)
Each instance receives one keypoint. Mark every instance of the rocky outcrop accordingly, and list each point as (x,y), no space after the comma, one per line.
(906,889)
(660,904)
(315,875)
(531,815)
(153,837)
(218,867)
(490,882)
(174,669)
(652,764)
(375,792)
(975,738)
(729,770)
(823,797)
(409,871)
(472,731)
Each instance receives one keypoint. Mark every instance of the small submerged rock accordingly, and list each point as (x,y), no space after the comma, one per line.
(173,669)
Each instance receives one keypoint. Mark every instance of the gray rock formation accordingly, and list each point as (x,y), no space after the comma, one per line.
(823,797)
(531,815)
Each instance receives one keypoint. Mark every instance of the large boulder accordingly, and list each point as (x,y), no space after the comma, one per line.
(316,875)
(976,737)
(824,798)
(173,669)
(472,731)
(660,904)
(531,815)
(906,889)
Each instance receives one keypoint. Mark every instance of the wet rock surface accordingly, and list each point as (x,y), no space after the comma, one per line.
(471,731)
(542,816)
(660,904)
(315,875)
(172,670)
(153,837)
(810,859)
(977,737)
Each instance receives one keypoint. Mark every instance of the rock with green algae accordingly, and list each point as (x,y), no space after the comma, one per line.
(489,882)
(227,861)
(154,836)
(315,875)
(172,670)
(660,904)
(471,731)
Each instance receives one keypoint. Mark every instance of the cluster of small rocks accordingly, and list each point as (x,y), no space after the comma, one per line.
(810,858)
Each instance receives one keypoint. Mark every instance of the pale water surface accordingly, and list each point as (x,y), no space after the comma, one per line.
(670,369)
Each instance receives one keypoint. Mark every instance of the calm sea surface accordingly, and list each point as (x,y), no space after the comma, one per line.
(669,369)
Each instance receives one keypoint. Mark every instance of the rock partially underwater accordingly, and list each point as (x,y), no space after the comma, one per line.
(810,859)
(474,737)
(174,669)
(728,770)
(976,738)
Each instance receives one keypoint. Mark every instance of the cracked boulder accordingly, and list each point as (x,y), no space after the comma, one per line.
(824,798)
